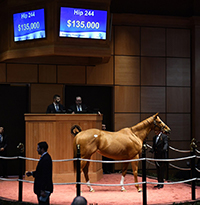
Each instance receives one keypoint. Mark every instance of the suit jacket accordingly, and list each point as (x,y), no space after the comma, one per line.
(43,175)
(3,144)
(160,148)
(51,109)
(73,108)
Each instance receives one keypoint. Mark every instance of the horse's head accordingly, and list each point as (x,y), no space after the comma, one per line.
(158,122)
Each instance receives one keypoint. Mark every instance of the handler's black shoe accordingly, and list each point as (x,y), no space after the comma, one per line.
(159,186)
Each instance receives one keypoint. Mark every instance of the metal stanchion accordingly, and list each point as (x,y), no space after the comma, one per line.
(144,186)
(193,171)
(21,148)
(78,176)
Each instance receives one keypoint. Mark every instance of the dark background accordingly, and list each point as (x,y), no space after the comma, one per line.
(13,105)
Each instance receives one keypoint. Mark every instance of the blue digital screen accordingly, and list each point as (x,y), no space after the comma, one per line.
(83,23)
(29,25)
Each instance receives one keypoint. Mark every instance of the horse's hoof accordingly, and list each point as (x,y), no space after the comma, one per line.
(139,190)
(92,190)
(123,190)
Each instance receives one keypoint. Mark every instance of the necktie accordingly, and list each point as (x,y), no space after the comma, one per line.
(57,108)
(1,138)
(158,138)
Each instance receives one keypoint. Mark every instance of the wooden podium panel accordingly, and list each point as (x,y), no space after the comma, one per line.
(55,129)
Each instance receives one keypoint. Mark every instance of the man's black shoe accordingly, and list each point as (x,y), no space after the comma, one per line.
(159,186)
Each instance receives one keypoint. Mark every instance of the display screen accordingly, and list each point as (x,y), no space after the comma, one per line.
(83,23)
(29,25)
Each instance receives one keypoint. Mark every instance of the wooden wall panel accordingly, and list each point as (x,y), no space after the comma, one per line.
(100,74)
(127,99)
(127,40)
(178,42)
(112,41)
(180,126)
(126,120)
(178,99)
(71,74)
(2,72)
(152,41)
(152,71)
(22,73)
(47,73)
(153,99)
(178,72)
(127,70)
(42,96)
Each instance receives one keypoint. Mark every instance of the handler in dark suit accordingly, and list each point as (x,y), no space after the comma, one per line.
(43,174)
(160,147)
(3,146)
(55,107)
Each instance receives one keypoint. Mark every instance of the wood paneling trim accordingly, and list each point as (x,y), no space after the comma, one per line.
(127,40)
(127,99)
(127,70)
(23,73)
(47,74)
(153,99)
(71,74)
(152,41)
(178,42)
(100,74)
(2,72)
(151,20)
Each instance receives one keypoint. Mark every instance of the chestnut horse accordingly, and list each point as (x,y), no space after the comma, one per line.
(126,144)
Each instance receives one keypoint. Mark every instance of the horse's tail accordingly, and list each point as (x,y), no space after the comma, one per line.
(75,154)
(75,130)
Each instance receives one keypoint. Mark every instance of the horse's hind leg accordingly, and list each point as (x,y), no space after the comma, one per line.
(85,171)
(135,172)
(124,170)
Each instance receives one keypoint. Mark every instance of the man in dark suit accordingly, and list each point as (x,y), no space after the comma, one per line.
(43,184)
(3,146)
(160,148)
(78,107)
(55,107)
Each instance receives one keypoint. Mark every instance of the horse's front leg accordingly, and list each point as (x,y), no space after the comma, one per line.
(85,171)
(135,172)
(124,170)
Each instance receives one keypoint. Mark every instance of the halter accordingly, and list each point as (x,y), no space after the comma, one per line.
(162,128)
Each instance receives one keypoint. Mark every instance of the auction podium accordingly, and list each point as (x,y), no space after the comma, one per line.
(55,129)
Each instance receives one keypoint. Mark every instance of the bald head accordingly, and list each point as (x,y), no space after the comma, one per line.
(79,200)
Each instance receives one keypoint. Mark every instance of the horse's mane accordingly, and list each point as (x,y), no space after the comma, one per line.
(144,126)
